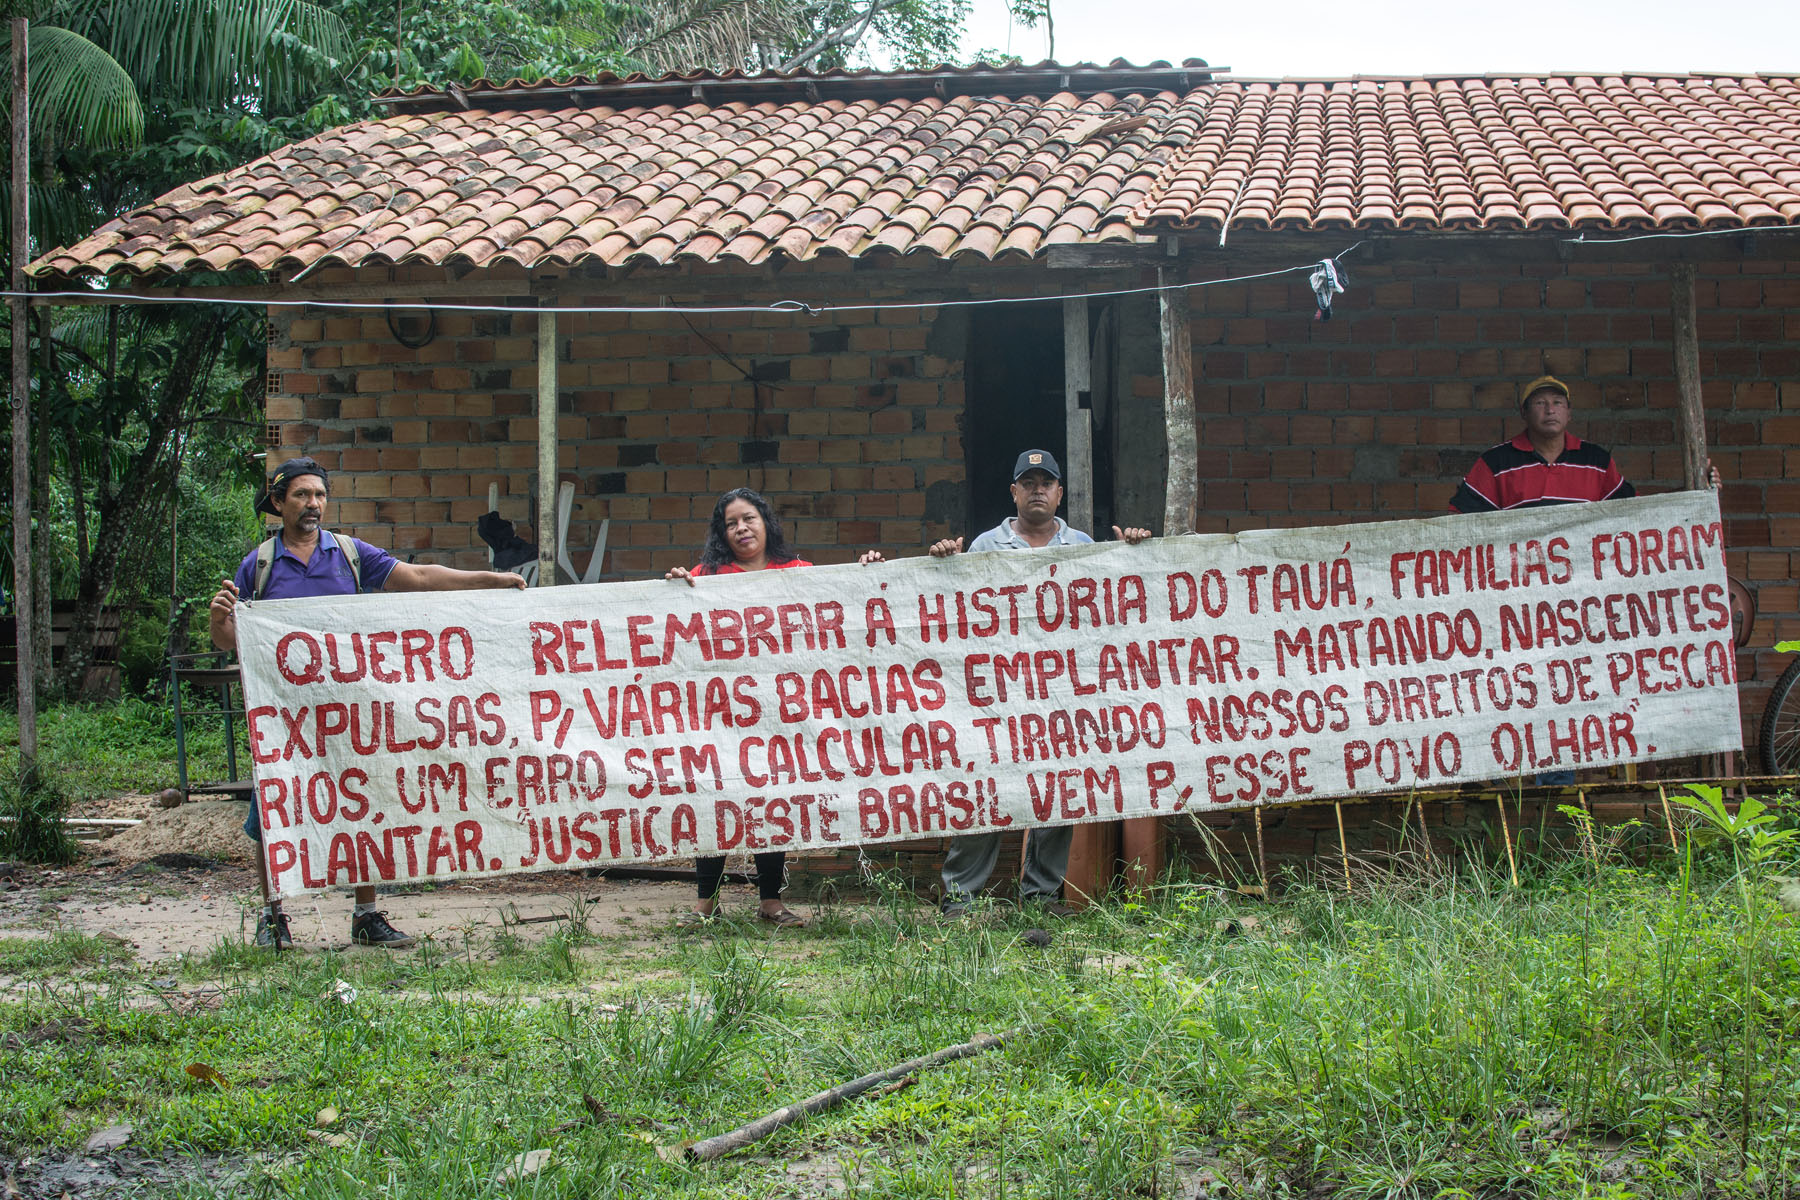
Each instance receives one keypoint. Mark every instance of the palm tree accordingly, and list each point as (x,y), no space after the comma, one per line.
(94,64)
(685,35)
(91,58)
(99,70)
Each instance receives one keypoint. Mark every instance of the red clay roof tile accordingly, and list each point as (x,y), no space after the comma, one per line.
(576,172)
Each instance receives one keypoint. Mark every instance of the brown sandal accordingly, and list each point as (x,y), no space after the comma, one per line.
(785,918)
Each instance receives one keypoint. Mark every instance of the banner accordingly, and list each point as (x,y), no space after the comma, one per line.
(400,737)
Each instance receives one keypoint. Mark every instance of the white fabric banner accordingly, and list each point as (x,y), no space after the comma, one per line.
(401,737)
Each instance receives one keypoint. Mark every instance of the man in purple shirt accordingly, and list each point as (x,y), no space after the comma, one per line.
(308,560)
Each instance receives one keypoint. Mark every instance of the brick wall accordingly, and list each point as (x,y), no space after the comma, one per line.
(850,423)
(853,423)
(1377,413)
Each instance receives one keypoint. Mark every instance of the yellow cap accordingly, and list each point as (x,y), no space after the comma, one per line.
(1539,384)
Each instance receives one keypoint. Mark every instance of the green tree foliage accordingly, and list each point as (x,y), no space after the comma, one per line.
(789,35)
(113,79)
(431,43)
(207,83)
(142,436)
(131,100)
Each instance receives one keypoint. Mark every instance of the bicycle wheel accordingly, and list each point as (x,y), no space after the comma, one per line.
(1778,744)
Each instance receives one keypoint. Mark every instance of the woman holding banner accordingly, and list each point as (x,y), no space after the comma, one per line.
(745,535)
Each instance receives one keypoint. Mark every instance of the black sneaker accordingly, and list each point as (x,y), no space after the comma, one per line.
(273,933)
(372,929)
(954,908)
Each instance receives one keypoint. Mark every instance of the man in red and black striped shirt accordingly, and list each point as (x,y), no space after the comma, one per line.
(1545,464)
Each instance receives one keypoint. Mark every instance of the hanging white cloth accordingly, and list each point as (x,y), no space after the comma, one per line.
(1328,280)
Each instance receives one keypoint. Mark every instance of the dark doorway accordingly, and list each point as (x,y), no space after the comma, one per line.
(1015,401)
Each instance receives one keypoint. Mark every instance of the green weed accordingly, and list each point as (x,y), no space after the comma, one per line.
(60,951)
(98,750)
(1429,1035)
(32,808)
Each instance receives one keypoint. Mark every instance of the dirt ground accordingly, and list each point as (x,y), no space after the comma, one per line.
(206,828)
(182,882)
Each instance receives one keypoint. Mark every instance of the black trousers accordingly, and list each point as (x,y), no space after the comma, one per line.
(769,869)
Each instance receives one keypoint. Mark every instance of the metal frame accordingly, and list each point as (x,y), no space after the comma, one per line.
(208,669)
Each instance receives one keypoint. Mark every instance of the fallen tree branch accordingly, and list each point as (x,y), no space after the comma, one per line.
(762,1127)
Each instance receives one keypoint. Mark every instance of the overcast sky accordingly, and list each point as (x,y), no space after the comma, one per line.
(1381,37)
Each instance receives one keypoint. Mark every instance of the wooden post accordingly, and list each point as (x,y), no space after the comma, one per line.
(21,397)
(1142,836)
(1690,412)
(175,597)
(1662,793)
(1690,407)
(43,616)
(547,413)
(1093,847)
(1183,495)
(1078,463)
(1425,836)
(1588,839)
(1343,843)
(1512,863)
(1262,857)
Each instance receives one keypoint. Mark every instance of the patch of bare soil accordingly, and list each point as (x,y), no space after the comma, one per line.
(184,880)
(130,806)
(176,903)
(208,828)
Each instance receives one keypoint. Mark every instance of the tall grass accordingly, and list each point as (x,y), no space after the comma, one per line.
(1441,1035)
(32,808)
(90,751)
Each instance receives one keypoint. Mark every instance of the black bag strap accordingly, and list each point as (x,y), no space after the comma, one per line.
(265,562)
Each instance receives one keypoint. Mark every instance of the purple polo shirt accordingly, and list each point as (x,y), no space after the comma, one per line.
(328,574)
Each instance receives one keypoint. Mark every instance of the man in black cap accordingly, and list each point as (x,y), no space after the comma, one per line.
(1037,491)
(303,560)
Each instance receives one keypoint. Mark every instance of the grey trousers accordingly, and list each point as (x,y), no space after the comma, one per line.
(971,859)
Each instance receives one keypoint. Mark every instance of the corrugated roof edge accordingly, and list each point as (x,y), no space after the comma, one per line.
(640,90)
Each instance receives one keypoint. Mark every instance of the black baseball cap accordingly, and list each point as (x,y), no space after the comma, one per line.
(1037,460)
(288,471)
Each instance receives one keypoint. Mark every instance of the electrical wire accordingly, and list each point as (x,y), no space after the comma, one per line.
(757,411)
(1585,240)
(779,306)
(414,341)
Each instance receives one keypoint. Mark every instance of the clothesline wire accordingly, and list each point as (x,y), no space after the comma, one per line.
(779,306)
(1585,240)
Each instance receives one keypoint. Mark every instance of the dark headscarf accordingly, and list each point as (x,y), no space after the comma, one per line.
(285,474)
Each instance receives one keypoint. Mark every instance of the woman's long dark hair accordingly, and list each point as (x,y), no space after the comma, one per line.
(718,550)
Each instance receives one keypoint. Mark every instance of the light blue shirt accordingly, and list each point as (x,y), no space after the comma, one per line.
(1002,537)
